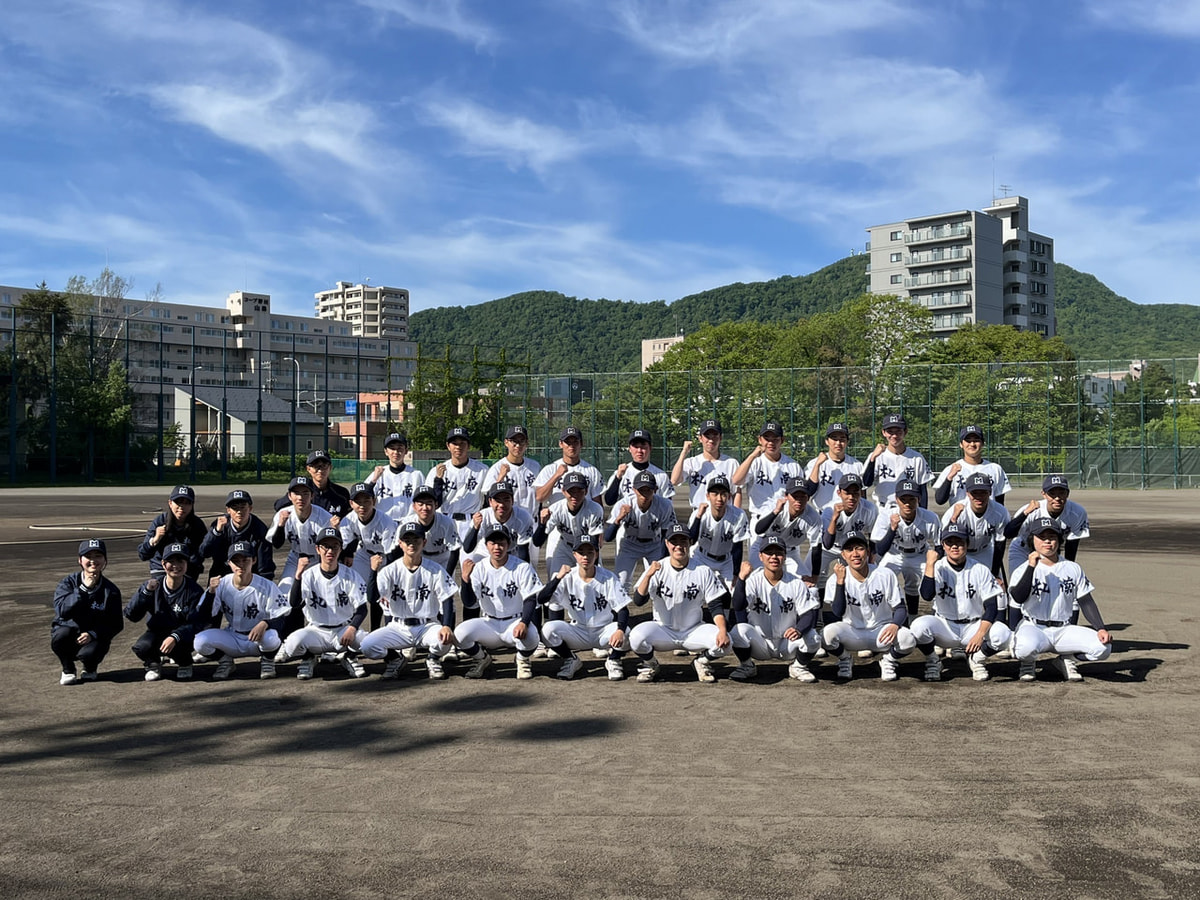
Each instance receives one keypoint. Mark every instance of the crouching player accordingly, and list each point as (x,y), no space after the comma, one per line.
(965,595)
(171,606)
(333,600)
(776,614)
(1046,587)
(598,606)
(87,614)
(417,597)
(247,602)
(869,603)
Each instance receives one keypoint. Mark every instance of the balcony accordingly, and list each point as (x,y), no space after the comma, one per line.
(952,320)
(1021,322)
(940,300)
(948,277)
(941,255)
(937,233)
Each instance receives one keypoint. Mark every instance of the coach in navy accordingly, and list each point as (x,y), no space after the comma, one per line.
(238,524)
(87,614)
(177,524)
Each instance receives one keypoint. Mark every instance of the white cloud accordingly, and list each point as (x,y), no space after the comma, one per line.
(1172,18)
(516,140)
(438,15)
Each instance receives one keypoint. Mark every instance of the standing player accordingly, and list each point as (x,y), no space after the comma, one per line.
(620,484)
(710,462)
(642,519)
(951,484)
(902,535)
(567,520)
(506,591)
(333,498)
(984,520)
(518,469)
(1047,588)
(1054,504)
(173,606)
(869,605)
(247,602)
(680,589)
(548,484)
(366,532)
(87,614)
(718,530)
(826,469)
(966,612)
(895,461)
(441,536)
(458,482)
(765,472)
(178,524)
(238,524)
(851,514)
(396,482)
(501,510)
(333,601)
(299,524)
(776,614)
(796,524)
(598,606)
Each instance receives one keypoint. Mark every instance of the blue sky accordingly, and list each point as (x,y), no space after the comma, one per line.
(631,150)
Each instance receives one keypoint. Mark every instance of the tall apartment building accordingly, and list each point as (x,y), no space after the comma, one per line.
(653,349)
(372,311)
(969,266)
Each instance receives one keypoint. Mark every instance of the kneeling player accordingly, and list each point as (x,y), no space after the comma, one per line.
(868,601)
(1046,587)
(598,606)
(776,614)
(418,598)
(248,602)
(965,595)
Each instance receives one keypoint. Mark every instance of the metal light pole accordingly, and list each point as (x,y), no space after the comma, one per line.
(295,401)
(192,427)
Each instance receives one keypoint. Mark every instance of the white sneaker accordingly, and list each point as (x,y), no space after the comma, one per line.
(198,658)
(865,654)
(845,669)
(153,672)
(183,673)
(224,668)
(570,668)
(481,666)
(353,667)
(434,667)
(281,656)
(395,666)
(68,678)
(1069,670)
(1028,671)
(266,668)
(978,670)
(820,654)
(933,669)
(888,670)
(703,667)
(524,668)
(744,672)
(616,671)
(801,672)
(541,652)
(307,667)
(648,671)
(601,653)
(681,652)
(408,654)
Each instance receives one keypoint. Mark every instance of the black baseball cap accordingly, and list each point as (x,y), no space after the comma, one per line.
(329,533)
(300,482)
(424,491)
(718,483)
(771,428)
(1054,481)
(908,488)
(978,481)
(773,541)
(458,433)
(240,548)
(1046,523)
(640,434)
(515,431)
(175,550)
(855,537)
(361,488)
(396,437)
(410,527)
(957,530)
(318,456)
(709,425)
(570,432)
(837,428)
(86,547)
(183,492)
(849,480)
(644,479)
(894,420)
(679,531)
(797,484)
(238,496)
(501,487)
(573,480)
(498,533)
(586,540)
(969,430)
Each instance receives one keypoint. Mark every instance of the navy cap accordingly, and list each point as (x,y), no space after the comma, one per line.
(773,541)
(570,432)
(978,481)
(175,550)
(837,428)
(710,425)
(515,431)
(855,537)
(718,483)
(771,428)
(501,487)
(183,492)
(329,533)
(955,529)
(238,496)
(573,480)
(969,430)
(679,531)
(424,491)
(1054,481)
(586,540)
(396,437)
(640,434)
(318,456)
(240,548)
(410,527)
(1046,523)
(458,433)
(907,488)
(797,485)
(894,420)
(86,547)
(361,487)
(300,482)
(498,533)
(644,479)
(849,480)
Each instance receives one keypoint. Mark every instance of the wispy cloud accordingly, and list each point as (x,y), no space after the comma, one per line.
(438,15)
(1171,18)
(516,140)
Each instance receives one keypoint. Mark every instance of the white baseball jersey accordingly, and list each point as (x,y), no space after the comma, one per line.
(414,593)
(243,608)
(570,526)
(594,603)
(912,539)
(804,531)
(718,537)
(625,487)
(463,488)
(766,482)
(986,530)
(1073,518)
(960,593)
(862,519)
(891,469)
(828,477)
(643,532)
(441,537)
(698,471)
(520,523)
(774,608)
(394,490)
(958,490)
(376,536)
(678,596)
(302,536)
(502,591)
(595,480)
(331,601)
(523,478)
(1055,590)
(869,603)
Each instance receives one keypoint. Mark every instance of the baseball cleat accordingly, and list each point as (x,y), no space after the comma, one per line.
(933,669)
(306,668)
(801,672)
(153,672)
(434,666)
(395,666)
(648,671)
(524,668)
(482,664)
(616,671)
(353,667)
(703,667)
(183,673)
(1028,670)
(845,669)
(745,671)
(88,675)
(224,668)
(1070,671)
(978,670)
(570,668)
(888,668)
(266,668)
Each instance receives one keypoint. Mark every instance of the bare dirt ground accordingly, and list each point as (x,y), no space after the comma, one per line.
(342,788)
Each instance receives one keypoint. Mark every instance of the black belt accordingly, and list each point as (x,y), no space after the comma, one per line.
(502,618)
(1050,623)
(910,552)
(413,623)
(458,517)
(964,621)
(715,558)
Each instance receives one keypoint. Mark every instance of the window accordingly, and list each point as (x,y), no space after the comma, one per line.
(895,236)
(895,257)
(896,279)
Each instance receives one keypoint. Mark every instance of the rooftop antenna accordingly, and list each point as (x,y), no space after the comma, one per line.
(1006,188)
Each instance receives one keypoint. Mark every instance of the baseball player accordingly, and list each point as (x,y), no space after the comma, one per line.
(501,510)
(895,461)
(298,524)
(765,472)
(418,597)
(518,469)
(697,470)
(396,482)
(620,483)
(869,604)
(598,606)
(951,487)
(178,524)
(247,602)
(333,498)
(547,486)
(238,524)
(442,543)
(1054,504)
(567,520)
(506,590)
(826,469)
(172,604)
(966,614)
(642,519)
(1047,588)
(366,533)
(851,514)
(984,520)
(902,535)
(681,588)
(794,522)
(718,530)
(333,600)
(87,614)
(458,482)
(776,615)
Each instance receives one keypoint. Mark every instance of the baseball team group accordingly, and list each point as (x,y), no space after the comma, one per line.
(776,561)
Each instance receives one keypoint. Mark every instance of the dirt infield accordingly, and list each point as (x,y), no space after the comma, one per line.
(342,788)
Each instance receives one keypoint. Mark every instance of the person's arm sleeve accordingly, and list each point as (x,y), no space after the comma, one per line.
(447,615)
(868,475)
(547,591)
(139,603)
(717,604)
(739,606)
(839,601)
(923,499)
(900,615)
(266,560)
(467,592)
(1013,528)
(612,490)
(112,620)
(1020,591)
(540,534)
(529,608)
(990,609)
(736,556)
(884,544)
(439,491)
(66,602)
(927,588)
(942,493)
(806,621)
(694,530)
(470,539)
(763,525)
(623,618)
(1091,612)
(146,548)
(1070,548)
(610,530)
(998,559)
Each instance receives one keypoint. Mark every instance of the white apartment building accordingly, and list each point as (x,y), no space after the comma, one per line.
(969,266)
(654,348)
(371,310)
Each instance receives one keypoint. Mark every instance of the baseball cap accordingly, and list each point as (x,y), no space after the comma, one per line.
(361,488)
(640,434)
(773,542)
(710,425)
(240,548)
(797,485)
(586,540)
(1046,523)
(573,480)
(955,529)
(771,428)
(894,420)
(644,479)
(238,496)
(183,492)
(849,480)
(410,527)
(318,456)
(424,491)
(498,533)
(329,533)
(679,531)
(300,482)
(86,547)
(969,430)
(515,431)
(1054,481)
(396,437)
(855,537)
(501,487)
(718,483)
(570,432)
(174,550)
(907,488)
(978,481)
(458,433)
(837,428)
